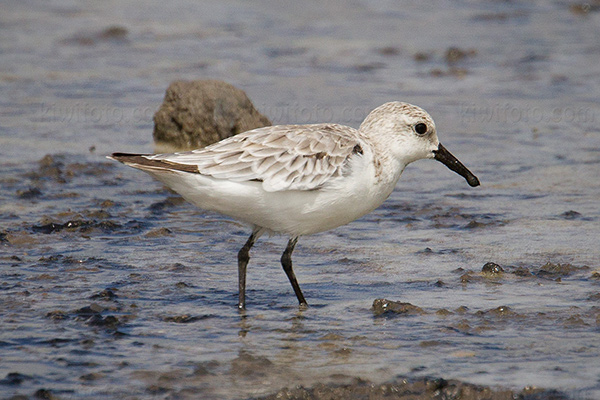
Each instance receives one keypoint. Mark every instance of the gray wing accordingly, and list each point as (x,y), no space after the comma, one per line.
(283,157)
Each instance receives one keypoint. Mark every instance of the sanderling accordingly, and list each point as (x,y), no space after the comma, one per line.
(301,179)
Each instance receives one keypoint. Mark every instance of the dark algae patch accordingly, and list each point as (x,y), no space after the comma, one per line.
(553,271)
(383,307)
(76,225)
(497,273)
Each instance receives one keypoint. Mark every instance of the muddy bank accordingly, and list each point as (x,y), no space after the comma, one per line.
(411,389)
(358,389)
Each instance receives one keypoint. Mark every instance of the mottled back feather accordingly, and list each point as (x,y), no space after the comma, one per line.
(283,157)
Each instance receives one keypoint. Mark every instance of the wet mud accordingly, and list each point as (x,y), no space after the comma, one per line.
(407,389)
(104,299)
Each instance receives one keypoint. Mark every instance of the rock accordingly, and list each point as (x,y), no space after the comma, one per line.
(571,214)
(163,205)
(553,271)
(492,269)
(110,321)
(29,193)
(466,277)
(44,394)
(158,232)
(502,311)
(89,311)
(14,378)
(106,294)
(185,319)
(195,114)
(388,307)
(455,54)
(115,34)
(57,315)
(523,272)
(248,365)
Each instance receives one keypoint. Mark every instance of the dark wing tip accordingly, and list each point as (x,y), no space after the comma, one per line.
(124,156)
(142,161)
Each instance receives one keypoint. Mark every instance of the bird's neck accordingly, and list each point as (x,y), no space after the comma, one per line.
(387,167)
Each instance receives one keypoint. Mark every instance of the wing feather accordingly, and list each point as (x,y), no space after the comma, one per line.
(283,157)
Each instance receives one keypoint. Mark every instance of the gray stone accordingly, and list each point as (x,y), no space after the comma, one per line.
(195,114)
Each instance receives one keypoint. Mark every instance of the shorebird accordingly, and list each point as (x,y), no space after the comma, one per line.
(301,179)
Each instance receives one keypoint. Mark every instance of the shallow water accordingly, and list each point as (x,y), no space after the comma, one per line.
(516,101)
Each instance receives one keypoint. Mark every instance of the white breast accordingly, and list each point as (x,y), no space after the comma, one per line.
(293,212)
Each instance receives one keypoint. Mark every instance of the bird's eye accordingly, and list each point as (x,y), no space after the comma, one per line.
(421,128)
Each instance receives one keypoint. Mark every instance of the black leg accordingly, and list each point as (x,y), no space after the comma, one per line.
(286,263)
(243,258)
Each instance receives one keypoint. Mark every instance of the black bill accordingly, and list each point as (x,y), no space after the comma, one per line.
(446,158)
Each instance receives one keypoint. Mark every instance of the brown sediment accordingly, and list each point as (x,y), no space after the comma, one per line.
(410,389)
